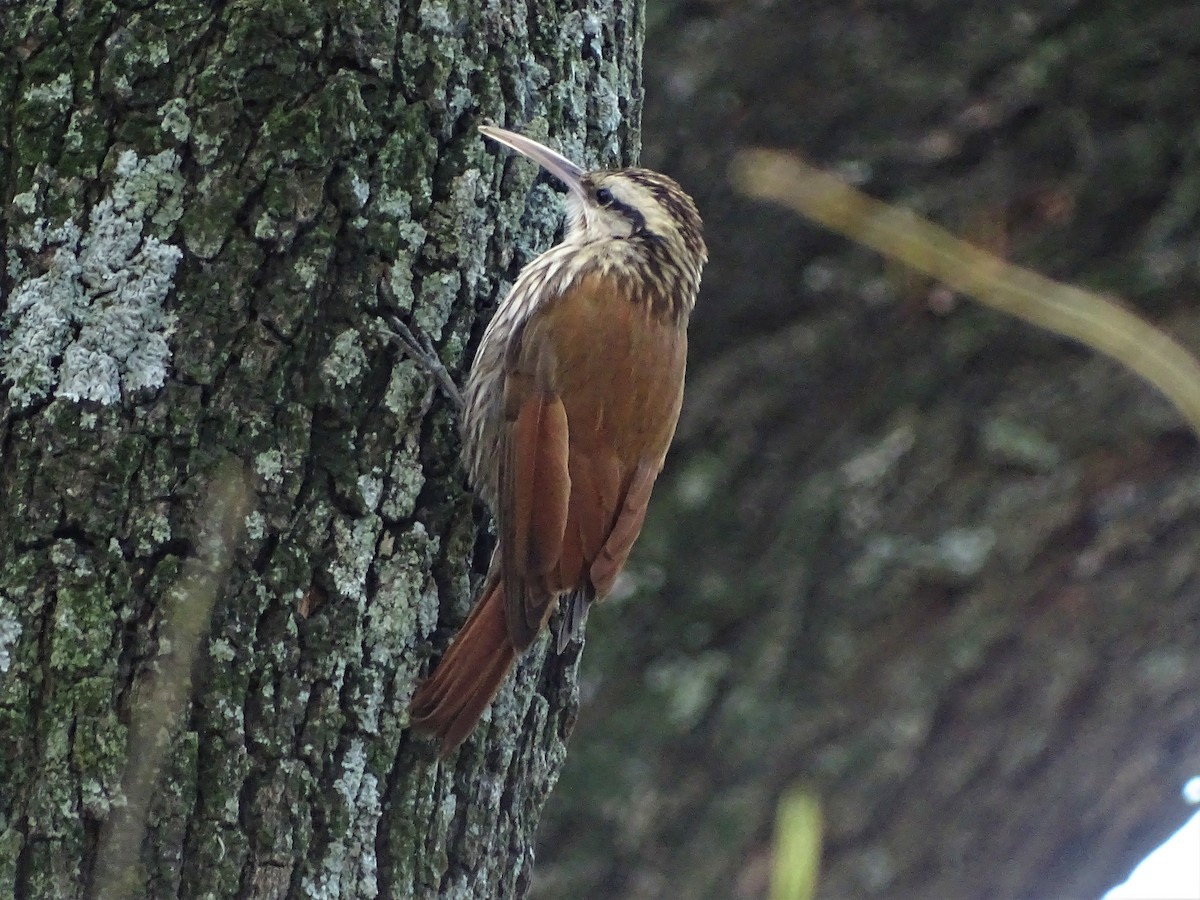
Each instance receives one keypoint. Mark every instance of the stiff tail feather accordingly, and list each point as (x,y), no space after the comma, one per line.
(449,703)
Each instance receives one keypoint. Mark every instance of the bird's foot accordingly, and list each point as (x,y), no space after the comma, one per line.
(420,350)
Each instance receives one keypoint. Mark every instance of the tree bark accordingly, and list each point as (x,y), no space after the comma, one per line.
(935,565)
(207,208)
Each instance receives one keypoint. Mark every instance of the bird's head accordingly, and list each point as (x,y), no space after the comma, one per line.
(637,206)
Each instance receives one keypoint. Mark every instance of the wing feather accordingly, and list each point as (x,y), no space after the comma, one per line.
(608,563)
(535,491)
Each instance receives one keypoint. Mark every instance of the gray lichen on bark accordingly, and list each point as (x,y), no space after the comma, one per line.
(91,325)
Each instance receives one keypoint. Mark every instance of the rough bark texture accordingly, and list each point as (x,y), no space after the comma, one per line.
(935,564)
(205,207)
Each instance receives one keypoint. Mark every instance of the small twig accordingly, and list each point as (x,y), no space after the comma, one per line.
(163,694)
(421,351)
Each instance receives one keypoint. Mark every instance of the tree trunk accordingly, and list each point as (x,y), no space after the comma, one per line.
(935,565)
(233,527)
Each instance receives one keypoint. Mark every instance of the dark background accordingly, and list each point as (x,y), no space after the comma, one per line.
(927,560)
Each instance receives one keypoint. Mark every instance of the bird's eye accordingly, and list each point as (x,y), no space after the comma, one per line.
(604,196)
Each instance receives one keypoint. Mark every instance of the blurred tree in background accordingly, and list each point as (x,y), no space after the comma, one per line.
(930,561)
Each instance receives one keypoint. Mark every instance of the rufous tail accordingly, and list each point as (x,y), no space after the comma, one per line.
(449,703)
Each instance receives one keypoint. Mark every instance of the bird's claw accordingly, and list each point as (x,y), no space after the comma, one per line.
(421,351)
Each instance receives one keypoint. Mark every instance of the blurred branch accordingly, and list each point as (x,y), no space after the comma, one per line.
(901,235)
(797,857)
(161,697)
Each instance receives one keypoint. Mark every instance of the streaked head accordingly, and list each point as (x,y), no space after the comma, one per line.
(635,205)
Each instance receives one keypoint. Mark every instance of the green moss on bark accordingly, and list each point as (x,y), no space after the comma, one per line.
(321,166)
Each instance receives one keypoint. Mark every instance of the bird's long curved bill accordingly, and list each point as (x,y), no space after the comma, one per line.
(551,160)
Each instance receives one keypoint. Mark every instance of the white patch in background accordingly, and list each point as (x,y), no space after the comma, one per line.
(1172,872)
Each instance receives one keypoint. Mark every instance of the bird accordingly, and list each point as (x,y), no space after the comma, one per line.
(569,408)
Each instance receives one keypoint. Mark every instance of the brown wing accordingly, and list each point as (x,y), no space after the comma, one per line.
(534,493)
(593,387)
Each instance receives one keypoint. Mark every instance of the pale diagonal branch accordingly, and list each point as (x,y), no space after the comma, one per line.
(901,235)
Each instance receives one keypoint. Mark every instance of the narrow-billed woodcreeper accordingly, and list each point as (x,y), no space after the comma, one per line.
(571,404)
